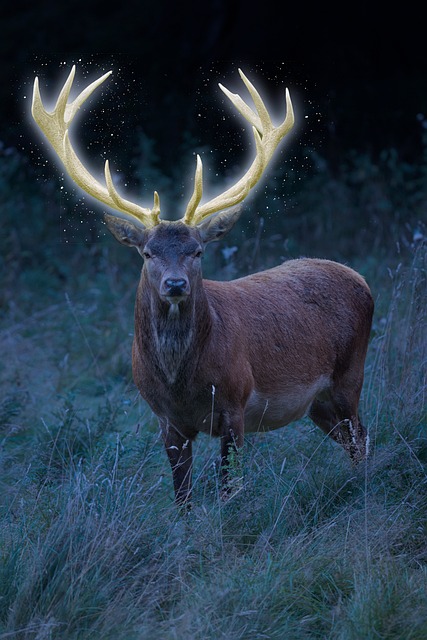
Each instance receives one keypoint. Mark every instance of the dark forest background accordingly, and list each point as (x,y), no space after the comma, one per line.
(364,68)
(357,79)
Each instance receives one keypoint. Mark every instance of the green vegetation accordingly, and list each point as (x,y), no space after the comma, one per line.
(91,545)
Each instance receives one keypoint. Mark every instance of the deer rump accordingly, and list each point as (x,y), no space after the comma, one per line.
(263,350)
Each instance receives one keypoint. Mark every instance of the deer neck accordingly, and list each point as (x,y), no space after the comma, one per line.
(173,334)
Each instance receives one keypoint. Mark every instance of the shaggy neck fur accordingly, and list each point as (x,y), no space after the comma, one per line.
(168,334)
(173,333)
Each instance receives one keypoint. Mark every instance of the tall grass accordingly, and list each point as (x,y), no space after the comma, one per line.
(91,545)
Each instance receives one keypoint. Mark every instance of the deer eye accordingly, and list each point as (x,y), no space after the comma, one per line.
(198,254)
(146,255)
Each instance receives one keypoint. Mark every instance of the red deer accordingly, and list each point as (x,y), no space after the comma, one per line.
(225,358)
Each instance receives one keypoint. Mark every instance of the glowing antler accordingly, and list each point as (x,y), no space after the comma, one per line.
(55,127)
(267,138)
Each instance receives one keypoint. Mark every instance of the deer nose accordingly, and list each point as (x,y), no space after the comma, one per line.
(175,286)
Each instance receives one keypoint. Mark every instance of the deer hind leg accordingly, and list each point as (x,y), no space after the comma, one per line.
(231,438)
(179,451)
(336,413)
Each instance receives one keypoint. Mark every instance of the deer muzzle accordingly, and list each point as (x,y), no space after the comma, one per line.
(175,289)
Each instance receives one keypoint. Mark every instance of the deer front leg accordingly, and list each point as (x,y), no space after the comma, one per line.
(179,451)
(231,465)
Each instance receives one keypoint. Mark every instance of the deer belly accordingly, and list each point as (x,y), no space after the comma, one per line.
(266,411)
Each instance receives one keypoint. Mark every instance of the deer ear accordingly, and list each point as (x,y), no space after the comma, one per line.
(216,226)
(125,232)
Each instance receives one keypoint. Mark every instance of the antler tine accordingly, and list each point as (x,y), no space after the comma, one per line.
(267,137)
(55,127)
(198,186)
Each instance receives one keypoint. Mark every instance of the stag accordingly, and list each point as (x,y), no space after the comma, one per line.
(225,358)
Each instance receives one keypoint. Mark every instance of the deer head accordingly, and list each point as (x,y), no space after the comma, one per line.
(171,249)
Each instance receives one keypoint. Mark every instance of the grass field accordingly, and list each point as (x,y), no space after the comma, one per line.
(91,544)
